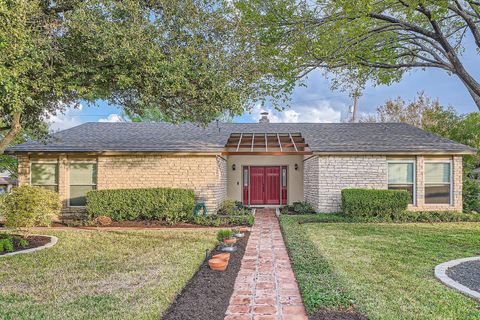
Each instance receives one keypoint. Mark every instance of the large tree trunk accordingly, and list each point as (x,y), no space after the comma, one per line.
(15,127)
(475,97)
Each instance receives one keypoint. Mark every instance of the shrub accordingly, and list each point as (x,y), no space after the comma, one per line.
(165,204)
(6,244)
(303,207)
(26,207)
(228,207)
(376,204)
(216,220)
(103,221)
(471,195)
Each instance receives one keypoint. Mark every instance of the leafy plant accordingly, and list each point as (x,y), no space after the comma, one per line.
(26,207)
(303,207)
(23,243)
(371,203)
(227,207)
(224,234)
(6,244)
(216,220)
(166,204)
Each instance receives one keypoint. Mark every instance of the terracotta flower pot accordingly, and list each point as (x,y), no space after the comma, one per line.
(218,264)
(223,256)
(230,241)
(243,229)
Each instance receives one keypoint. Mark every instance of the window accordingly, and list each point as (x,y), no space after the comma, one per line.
(83,178)
(44,175)
(401,176)
(284,177)
(245,177)
(437,182)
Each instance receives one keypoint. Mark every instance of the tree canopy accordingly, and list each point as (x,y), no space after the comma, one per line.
(358,41)
(179,58)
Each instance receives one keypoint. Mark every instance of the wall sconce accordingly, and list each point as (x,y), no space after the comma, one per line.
(233,167)
(296,166)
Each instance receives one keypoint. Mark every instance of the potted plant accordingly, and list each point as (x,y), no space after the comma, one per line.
(237,233)
(225,237)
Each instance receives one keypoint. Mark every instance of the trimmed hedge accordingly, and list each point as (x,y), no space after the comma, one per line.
(165,204)
(374,203)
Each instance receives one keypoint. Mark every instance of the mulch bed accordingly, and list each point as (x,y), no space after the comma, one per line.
(207,295)
(33,242)
(467,273)
(324,314)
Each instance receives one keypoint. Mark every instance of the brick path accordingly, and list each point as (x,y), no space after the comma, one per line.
(265,287)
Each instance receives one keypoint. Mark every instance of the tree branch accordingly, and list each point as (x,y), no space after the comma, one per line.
(13,131)
(458,9)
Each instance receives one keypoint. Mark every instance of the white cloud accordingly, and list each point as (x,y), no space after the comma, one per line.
(113,117)
(69,118)
(318,111)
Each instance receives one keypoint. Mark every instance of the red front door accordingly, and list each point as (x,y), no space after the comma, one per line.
(264,185)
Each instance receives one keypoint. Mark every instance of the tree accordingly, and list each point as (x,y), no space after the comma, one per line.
(178,57)
(364,40)
(430,116)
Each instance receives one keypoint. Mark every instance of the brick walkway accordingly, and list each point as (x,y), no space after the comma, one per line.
(265,287)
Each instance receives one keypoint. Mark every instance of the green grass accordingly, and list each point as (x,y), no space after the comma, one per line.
(101,274)
(384,270)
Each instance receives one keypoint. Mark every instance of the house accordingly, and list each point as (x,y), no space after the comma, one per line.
(260,164)
(6,183)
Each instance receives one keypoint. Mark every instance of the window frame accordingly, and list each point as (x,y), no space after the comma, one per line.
(450,198)
(46,161)
(414,183)
(80,185)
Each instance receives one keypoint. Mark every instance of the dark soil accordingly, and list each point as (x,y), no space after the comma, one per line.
(325,314)
(33,242)
(206,296)
(467,273)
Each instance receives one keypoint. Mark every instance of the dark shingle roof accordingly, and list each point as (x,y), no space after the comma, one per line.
(161,137)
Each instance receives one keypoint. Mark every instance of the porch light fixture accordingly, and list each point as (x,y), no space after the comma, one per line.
(296,166)
(233,167)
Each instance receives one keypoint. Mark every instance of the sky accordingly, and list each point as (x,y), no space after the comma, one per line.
(316,102)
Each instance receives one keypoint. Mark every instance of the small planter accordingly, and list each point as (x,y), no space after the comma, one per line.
(230,241)
(243,229)
(222,256)
(218,264)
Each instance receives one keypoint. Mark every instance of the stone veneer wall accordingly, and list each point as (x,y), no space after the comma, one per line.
(334,173)
(326,176)
(205,174)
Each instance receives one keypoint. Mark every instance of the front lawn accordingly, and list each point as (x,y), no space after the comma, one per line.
(101,274)
(384,270)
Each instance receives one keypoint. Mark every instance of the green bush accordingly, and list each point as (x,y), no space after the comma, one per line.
(6,244)
(371,203)
(26,207)
(164,204)
(303,207)
(228,207)
(224,234)
(216,220)
(471,195)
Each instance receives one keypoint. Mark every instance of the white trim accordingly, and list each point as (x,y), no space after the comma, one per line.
(412,161)
(53,241)
(450,162)
(441,274)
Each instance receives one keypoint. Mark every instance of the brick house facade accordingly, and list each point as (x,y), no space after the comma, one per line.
(259,164)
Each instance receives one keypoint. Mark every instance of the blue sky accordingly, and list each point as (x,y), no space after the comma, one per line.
(317,103)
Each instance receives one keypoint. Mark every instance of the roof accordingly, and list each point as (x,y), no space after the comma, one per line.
(162,137)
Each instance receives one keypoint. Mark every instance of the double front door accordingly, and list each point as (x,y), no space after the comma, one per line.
(265,185)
